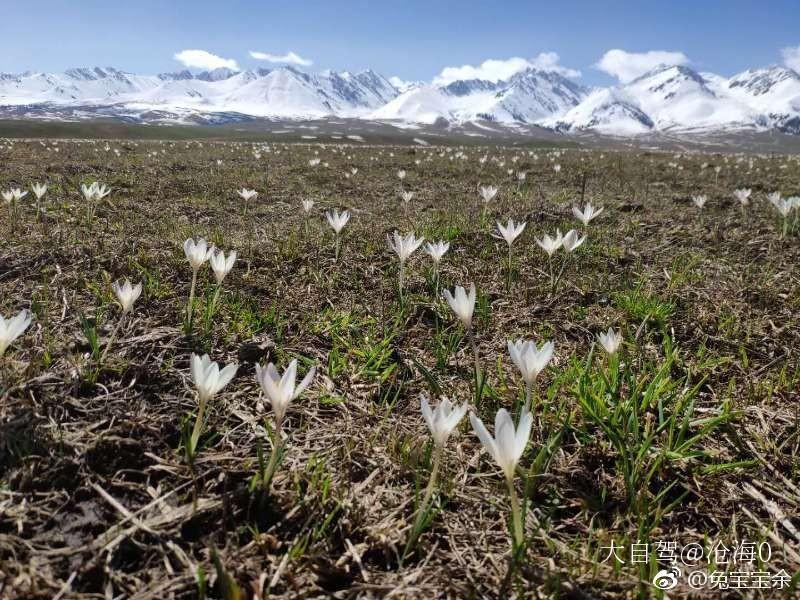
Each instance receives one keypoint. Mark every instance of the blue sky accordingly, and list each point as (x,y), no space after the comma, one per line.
(414,40)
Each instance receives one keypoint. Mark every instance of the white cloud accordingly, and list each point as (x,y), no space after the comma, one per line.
(627,66)
(791,57)
(200,59)
(290,58)
(548,61)
(499,70)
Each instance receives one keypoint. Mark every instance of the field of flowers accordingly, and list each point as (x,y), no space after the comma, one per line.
(299,370)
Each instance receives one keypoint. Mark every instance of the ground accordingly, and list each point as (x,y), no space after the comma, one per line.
(688,435)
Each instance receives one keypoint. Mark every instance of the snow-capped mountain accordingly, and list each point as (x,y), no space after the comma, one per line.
(525,97)
(678,99)
(670,99)
(283,92)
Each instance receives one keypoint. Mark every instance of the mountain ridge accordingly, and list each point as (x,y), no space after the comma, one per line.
(668,98)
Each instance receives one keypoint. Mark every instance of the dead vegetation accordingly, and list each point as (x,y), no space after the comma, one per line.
(96,500)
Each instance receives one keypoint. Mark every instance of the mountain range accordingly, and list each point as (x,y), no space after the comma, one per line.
(669,99)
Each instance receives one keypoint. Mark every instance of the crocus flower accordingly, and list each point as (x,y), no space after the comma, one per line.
(337,221)
(551,245)
(308,205)
(126,294)
(571,240)
(197,253)
(743,196)
(511,231)
(11,329)
(209,380)
(463,304)
(589,212)
(407,196)
(530,359)
(700,201)
(221,265)
(404,246)
(281,390)
(39,190)
(246,195)
(436,250)
(487,192)
(610,340)
(401,174)
(507,447)
(443,419)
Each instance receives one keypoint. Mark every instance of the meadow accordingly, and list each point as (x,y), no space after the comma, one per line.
(679,428)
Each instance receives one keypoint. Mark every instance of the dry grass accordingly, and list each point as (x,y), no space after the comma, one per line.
(96,500)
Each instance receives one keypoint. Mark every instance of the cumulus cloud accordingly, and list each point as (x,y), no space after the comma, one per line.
(499,69)
(548,61)
(627,66)
(290,57)
(200,59)
(791,57)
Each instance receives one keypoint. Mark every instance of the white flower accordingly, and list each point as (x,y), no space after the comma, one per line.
(197,252)
(443,419)
(208,378)
(39,190)
(437,250)
(463,304)
(308,205)
(610,340)
(280,391)
(127,294)
(14,194)
(488,192)
(571,240)
(784,207)
(742,195)
(314,162)
(95,191)
(550,245)
(407,196)
(221,265)
(11,329)
(529,359)
(337,220)
(508,443)
(589,212)
(247,194)
(511,231)
(521,176)
(404,246)
(700,201)
(401,174)
(774,198)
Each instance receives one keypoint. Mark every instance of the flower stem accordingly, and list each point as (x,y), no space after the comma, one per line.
(422,509)
(528,393)
(516,515)
(272,465)
(111,339)
(198,425)
(478,375)
(191,299)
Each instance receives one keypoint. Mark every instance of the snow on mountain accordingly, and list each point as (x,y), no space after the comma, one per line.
(283,92)
(607,111)
(678,97)
(668,98)
(525,97)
